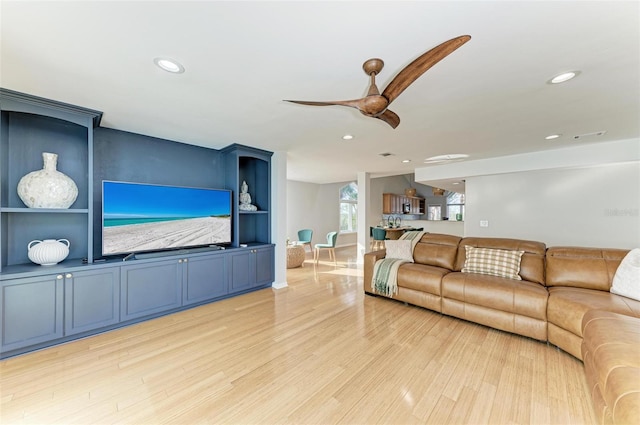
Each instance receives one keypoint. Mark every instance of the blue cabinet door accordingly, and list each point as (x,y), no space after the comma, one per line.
(251,267)
(264,258)
(92,299)
(31,311)
(241,270)
(150,288)
(205,278)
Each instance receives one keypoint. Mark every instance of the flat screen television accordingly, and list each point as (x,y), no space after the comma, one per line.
(139,217)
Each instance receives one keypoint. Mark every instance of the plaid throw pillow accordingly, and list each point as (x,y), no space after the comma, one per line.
(495,262)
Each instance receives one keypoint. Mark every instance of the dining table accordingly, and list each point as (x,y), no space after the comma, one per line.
(395,232)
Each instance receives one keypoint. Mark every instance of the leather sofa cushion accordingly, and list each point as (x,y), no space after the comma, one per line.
(567,306)
(435,249)
(591,268)
(513,296)
(531,264)
(421,277)
(611,353)
(508,322)
(567,341)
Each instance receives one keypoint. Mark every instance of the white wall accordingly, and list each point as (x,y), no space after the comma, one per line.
(279,216)
(595,206)
(316,207)
(584,195)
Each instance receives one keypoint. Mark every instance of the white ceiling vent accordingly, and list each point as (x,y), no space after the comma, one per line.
(582,136)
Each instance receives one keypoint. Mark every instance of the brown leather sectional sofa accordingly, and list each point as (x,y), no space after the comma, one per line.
(563,293)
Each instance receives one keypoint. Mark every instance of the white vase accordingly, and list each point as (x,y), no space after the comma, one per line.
(47,188)
(48,251)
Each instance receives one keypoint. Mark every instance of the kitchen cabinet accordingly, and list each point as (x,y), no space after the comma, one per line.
(401,204)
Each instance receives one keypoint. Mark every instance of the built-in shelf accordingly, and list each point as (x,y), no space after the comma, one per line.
(253,166)
(45,210)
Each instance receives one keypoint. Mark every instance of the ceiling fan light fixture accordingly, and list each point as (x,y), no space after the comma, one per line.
(564,77)
(169,65)
(376,104)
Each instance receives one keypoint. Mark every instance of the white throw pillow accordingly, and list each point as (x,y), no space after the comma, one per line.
(400,249)
(626,281)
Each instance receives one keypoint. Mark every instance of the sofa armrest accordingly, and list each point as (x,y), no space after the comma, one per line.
(370,259)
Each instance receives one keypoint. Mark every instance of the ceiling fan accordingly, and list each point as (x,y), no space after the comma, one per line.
(375,104)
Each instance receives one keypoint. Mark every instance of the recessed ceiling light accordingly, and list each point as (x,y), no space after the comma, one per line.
(405,161)
(169,65)
(455,183)
(565,76)
(446,158)
(552,136)
(347,137)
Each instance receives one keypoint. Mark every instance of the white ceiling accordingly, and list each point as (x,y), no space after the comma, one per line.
(489,98)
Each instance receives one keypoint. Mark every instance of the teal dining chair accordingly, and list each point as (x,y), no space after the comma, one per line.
(379,235)
(332,237)
(304,237)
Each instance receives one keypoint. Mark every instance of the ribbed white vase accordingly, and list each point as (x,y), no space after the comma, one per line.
(47,188)
(48,251)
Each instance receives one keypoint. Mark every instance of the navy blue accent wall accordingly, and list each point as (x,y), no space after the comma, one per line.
(123,156)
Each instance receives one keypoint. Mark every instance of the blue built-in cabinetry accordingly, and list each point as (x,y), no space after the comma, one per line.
(45,305)
(29,127)
(250,165)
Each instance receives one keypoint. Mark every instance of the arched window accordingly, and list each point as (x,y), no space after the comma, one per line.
(349,208)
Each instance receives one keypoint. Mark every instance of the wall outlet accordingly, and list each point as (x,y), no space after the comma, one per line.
(484,223)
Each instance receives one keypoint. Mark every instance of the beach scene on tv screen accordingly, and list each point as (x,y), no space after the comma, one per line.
(138,217)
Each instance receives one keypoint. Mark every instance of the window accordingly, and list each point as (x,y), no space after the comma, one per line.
(434,212)
(349,208)
(455,206)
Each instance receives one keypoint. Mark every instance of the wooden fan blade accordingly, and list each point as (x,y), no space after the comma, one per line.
(419,66)
(390,118)
(351,103)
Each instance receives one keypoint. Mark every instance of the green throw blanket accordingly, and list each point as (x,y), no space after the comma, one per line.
(385,271)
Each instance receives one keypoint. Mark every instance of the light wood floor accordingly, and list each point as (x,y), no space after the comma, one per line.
(317,352)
